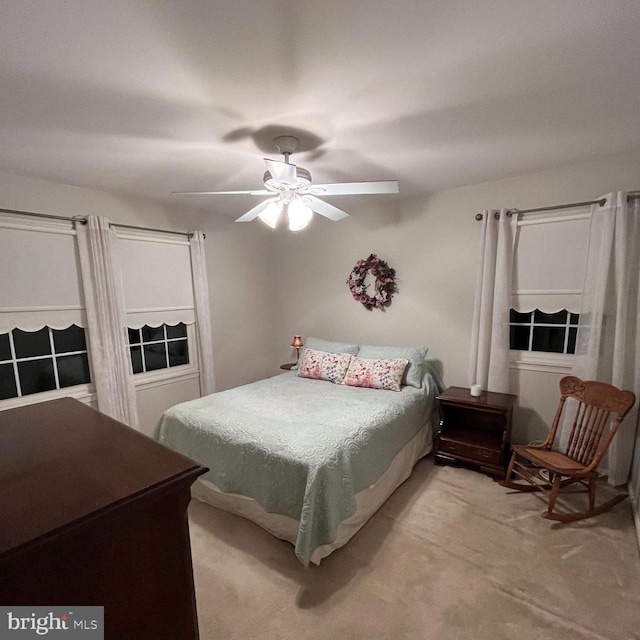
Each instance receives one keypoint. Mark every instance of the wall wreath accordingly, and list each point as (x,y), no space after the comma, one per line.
(385,285)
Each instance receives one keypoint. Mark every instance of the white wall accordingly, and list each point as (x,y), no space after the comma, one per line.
(634,485)
(432,243)
(241,265)
(153,400)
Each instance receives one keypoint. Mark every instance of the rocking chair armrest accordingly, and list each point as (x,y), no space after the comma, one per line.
(590,468)
(541,445)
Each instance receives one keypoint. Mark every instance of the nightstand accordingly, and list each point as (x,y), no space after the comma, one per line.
(475,430)
(288,366)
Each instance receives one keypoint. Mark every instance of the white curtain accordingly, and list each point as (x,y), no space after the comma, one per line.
(608,342)
(203,313)
(106,321)
(489,357)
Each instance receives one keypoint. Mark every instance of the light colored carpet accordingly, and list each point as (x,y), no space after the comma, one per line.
(451,555)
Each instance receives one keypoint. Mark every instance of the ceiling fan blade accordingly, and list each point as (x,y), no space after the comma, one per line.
(252,214)
(261,192)
(282,172)
(354,188)
(325,209)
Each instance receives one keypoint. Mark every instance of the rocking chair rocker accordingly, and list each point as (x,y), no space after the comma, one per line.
(549,470)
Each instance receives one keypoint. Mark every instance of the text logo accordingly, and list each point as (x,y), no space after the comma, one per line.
(20,623)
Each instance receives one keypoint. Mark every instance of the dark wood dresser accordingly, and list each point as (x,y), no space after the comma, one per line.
(95,513)
(475,430)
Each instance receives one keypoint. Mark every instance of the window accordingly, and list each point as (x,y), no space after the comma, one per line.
(159,302)
(42,342)
(549,266)
(546,332)
(43,351)
(160,347)
(42,360)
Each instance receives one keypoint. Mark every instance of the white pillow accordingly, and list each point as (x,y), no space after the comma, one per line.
(330,347)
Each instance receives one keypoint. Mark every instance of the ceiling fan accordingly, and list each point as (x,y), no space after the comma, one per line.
(292,191)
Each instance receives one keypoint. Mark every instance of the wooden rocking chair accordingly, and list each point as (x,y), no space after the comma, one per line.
(546,469)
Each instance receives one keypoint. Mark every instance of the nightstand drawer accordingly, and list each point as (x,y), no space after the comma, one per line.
(481,454)
(464,418)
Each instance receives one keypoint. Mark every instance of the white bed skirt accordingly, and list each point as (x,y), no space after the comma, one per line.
(368,500)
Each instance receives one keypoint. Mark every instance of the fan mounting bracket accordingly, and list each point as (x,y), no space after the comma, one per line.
(286,145)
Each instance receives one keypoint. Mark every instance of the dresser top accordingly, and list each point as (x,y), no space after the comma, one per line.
(488,399)
(62,462)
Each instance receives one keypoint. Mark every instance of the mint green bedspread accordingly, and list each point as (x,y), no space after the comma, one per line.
(301,448)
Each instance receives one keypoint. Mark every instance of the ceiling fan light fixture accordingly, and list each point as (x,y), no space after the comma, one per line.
(271,214)
(290,191)
(299,215)
(303,180)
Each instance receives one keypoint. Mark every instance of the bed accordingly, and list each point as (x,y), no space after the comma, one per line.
(308,460)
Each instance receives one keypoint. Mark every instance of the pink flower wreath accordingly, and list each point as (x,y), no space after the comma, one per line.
(385,283)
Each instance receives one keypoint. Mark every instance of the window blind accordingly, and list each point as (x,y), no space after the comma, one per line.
(550,261)
(40,284)
(156,278)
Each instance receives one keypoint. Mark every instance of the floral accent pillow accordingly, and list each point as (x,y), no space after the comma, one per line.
(320,365)
(311,363)
(376,374)
(335,367)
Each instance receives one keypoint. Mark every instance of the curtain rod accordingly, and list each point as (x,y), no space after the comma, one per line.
(189,234)
(570,205)
(82,220)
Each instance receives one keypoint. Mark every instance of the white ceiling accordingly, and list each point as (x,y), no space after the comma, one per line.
(149,96)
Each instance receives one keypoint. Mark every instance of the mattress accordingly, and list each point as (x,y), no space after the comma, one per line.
(302,449)
(368,500)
